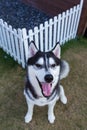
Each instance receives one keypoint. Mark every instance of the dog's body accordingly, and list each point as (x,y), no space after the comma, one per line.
(44,72)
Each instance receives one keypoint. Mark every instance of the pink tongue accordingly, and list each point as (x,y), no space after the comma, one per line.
(46,89)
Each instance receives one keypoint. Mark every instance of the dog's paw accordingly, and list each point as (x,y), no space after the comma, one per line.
(51,118)
(64,99)
(28,118)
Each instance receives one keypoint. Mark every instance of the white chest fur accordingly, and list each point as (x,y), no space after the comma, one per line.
(42,101)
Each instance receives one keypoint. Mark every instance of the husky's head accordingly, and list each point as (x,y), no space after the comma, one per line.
(43,69)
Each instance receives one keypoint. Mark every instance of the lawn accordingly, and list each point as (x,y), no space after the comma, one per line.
(72,116)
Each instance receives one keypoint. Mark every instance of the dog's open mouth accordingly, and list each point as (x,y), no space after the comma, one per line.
(46,88)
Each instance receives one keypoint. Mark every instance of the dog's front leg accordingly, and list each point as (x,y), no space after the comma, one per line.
(29,114)
(51,116)
(62,96)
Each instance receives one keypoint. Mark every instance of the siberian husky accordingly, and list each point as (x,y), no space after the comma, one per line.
(44,72)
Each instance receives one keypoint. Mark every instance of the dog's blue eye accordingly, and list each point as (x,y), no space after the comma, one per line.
(38,66)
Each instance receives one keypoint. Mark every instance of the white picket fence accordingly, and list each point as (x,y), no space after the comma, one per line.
(60,29)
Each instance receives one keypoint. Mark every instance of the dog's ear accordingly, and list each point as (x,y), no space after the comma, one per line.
(57,50)
(32,49)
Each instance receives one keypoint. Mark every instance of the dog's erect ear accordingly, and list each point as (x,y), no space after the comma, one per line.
(32,49)
(57,50)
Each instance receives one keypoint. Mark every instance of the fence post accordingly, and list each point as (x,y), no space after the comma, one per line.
(79,15)
(25,41)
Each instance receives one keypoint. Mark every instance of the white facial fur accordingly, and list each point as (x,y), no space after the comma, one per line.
(41,72)
(43,67)
(54,71)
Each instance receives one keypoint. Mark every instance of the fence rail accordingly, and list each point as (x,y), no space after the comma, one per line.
(59,29)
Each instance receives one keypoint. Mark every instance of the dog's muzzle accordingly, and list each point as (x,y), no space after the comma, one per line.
(47,85)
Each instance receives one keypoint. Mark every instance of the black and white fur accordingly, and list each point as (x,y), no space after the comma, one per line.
(44,72)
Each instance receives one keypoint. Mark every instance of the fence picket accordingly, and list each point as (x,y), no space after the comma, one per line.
(70,29)
(16,46)
(12,44)
(36,37)
(41,37)
(78,13)
(31,38)
(55,31)
(79,9)
(65,26)
(7,38)
(25,40)
(72,23)
(50,33)
(69,22)
(58,28)
(3,36)
(0,39)
(75,18)
(62,28)
(21,47)
(46,45)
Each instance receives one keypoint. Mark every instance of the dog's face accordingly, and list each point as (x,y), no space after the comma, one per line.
(43,69)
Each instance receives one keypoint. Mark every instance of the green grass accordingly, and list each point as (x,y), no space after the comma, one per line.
(72,116)
(76,43)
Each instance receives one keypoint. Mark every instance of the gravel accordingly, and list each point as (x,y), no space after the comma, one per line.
(21,15)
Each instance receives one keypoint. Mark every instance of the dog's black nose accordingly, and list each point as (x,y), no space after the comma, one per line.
(48,78)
